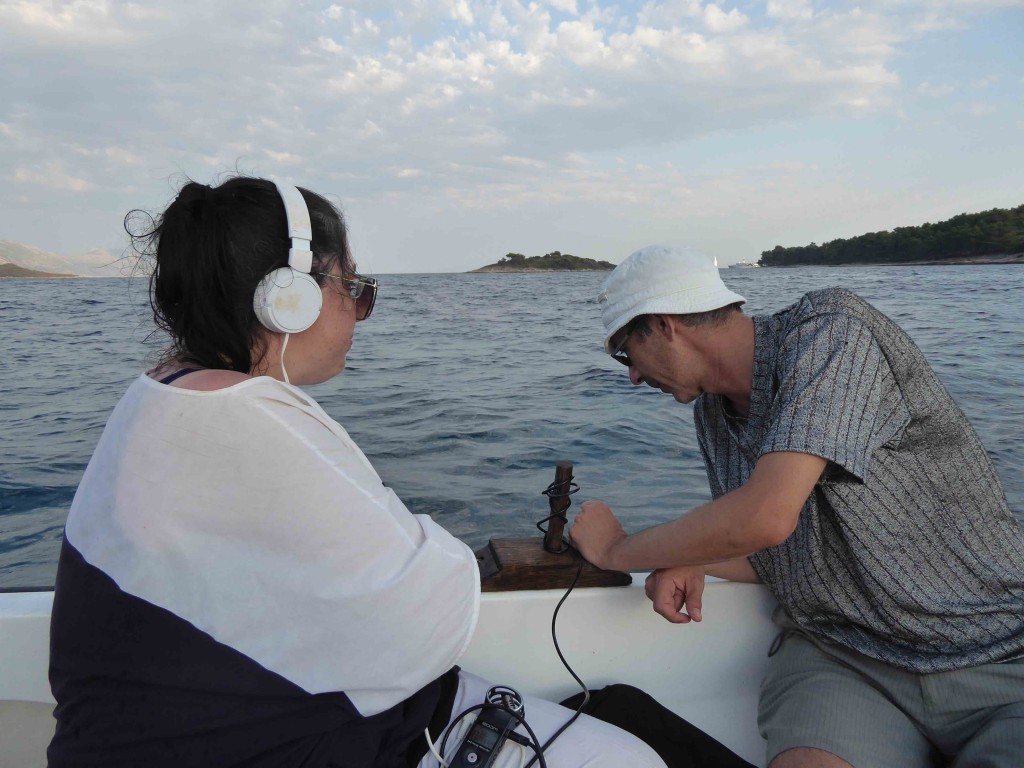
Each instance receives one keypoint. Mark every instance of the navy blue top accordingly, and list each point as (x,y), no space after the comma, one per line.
(138,686)
(178,374)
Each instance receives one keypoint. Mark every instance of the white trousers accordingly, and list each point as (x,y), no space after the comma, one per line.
(587,743)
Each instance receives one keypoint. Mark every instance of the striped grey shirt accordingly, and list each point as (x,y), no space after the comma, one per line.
(906,550)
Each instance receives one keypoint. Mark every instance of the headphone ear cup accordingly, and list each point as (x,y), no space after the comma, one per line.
(287,301)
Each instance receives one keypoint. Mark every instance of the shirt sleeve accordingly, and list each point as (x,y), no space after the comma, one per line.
(833,382)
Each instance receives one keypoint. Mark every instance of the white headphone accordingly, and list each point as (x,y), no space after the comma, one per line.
(288,299)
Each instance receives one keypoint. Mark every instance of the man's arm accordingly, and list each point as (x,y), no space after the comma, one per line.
(761,513)
(739,569)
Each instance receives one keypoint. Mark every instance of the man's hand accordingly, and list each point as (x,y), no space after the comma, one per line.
(672,589)
(595,532)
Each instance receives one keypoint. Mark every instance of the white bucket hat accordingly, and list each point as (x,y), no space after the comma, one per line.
(661,280)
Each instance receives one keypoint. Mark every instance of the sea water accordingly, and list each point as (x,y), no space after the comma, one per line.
(465,390)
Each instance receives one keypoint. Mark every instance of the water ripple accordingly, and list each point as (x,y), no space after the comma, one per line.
(465,405)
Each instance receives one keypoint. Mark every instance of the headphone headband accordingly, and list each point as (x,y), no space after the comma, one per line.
(300,229)
(288,299)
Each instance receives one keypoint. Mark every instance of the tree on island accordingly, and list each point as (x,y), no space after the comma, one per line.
(555,261)
(995,232)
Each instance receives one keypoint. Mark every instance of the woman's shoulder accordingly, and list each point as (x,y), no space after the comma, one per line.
(209,380)
(198,379)
(250,413)
(221,395)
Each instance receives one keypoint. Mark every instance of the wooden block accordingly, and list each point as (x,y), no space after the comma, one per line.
(516,564)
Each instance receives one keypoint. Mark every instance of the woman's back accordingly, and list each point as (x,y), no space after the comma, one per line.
(235,575)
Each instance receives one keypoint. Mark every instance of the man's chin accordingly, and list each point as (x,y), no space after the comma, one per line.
(678,396)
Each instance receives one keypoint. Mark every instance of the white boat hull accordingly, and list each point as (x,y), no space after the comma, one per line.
(708,673)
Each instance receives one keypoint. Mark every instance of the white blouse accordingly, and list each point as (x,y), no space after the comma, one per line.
(251,514)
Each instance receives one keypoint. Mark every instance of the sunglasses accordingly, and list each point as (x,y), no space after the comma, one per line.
(362,289)
(618,352)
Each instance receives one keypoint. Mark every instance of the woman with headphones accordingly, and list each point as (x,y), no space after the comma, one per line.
(236,586)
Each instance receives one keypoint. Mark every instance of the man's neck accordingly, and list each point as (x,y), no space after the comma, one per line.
(734,352)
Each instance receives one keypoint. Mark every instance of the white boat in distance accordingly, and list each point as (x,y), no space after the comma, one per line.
(743,263)
(709,673)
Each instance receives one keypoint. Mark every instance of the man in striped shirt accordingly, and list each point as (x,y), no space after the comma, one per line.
(847,480)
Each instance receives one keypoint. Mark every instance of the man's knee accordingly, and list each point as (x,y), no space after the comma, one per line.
(804,757)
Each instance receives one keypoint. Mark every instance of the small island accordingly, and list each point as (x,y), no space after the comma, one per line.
(556,261)
(990,237)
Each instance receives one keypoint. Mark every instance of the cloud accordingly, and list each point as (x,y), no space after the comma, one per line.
(116,155)
(718,20)
(369,130)
(565,6)
(52,176)
(83,22)
(379,98)
(789,9)
(366,83)
(284,158)
(581,42)
(935,22)
(460,11)
(575,158)
(522,162)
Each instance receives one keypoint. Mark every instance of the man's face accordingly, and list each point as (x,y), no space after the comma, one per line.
(658,356)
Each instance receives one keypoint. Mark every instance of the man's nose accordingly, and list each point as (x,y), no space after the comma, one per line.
(635,377)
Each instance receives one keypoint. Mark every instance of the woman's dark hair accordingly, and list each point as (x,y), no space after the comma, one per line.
(210,249)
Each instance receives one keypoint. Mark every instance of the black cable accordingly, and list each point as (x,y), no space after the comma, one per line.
(538,751)
(586,691)
(563,488)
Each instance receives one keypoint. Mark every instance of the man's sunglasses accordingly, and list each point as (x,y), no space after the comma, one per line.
(618,352)
(362,289)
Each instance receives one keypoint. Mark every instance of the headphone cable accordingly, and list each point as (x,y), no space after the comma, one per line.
(284,346)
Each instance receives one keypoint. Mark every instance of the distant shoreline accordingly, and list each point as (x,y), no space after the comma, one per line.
(15,272)
(1009,258)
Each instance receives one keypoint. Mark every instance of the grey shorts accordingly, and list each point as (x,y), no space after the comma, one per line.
(873,715)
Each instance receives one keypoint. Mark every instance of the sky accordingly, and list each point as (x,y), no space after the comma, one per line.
(452,132)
